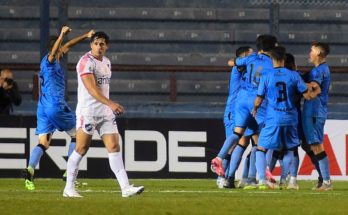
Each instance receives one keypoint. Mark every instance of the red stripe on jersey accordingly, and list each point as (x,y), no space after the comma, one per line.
(85,74)
(83,63)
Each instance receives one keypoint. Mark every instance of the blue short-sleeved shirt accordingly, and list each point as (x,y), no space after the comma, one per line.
(317,107)
(280,87)
(52,83)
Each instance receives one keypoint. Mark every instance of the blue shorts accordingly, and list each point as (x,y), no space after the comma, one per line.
(313,128)
(243,118)
(279,137)
(229,124)
(229,128)
(53,118)
(300,131)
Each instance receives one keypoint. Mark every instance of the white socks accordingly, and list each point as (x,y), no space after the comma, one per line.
(116,165)
(293,180)
(72,170)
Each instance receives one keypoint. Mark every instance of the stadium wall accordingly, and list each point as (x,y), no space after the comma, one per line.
(152,148)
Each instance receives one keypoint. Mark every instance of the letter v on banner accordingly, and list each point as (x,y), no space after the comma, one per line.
(307,167)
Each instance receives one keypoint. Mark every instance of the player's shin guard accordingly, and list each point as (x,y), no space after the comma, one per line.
(233,139)
(36,155)
(236,157)
(72,170)
(261,164)
(287,159)
(324,165)
(116,165)
(252,164)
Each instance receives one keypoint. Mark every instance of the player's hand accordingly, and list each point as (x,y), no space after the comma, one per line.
(116,108)
(231,62)
(254,112)
(65,30)
(90,33)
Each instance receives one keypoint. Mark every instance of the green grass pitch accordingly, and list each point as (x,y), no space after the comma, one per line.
(168,196)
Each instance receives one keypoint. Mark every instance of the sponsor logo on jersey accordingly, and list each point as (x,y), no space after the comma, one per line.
(103,80)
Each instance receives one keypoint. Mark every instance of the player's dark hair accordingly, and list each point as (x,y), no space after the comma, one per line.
(266,42)
(324,48)
(290,61)
(242,50)
(100,35)
(51,41)
(278,53)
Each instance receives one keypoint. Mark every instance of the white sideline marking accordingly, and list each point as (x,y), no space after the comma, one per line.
(186,191)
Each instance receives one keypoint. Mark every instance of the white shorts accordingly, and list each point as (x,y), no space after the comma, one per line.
(103,125)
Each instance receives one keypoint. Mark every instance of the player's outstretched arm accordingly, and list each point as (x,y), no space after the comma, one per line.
(66,47)
(55,49)
(90,84)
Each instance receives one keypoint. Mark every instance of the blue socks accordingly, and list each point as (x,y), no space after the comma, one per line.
(234,138)
(324,165)
(246,167)
(39,150)
(236,157)
(261,164)
(252,164)
(226,163)
(269,156)
(287,160)
(315,163)
(36,155)
(295,164)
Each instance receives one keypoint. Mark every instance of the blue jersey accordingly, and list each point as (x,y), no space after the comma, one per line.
(279,87)
(256,65)
(233,91)
(317,107)
(52,83)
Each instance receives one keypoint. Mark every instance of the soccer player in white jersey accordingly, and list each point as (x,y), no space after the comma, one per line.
(95,111)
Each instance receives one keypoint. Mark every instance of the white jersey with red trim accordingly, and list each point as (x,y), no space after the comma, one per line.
(87,105)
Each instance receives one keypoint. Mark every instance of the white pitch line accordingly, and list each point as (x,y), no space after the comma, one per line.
(186,191)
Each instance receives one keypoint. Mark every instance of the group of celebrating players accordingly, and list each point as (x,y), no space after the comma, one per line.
(264,108)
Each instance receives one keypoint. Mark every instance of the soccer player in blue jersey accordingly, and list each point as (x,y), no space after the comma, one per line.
(278,155)
(278,87)
(256,65)
(229,116)
(315,111)
(53,112)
